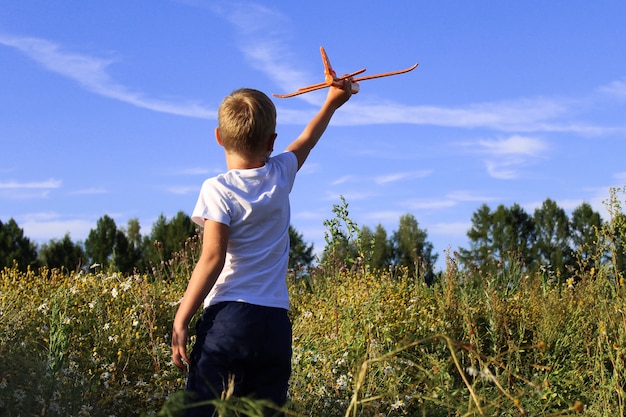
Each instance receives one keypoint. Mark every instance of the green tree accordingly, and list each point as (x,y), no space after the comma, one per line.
(585,227)
(128,250)
(412,250)
(499,239)
(62,254)
(480,235)
(552,245)
(15,247)
(100,242)
(513,236)
(168,237)
(300,254)
(377,247)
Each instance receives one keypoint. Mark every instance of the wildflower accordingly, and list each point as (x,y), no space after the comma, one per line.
(43,308)
(570,283)
(85,410)
(487,375)
(342,382)
(114,292)
(398,404)
(472,371)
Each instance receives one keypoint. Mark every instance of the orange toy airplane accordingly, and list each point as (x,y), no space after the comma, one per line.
(332,79)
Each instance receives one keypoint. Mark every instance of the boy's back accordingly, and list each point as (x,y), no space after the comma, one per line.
(254,203)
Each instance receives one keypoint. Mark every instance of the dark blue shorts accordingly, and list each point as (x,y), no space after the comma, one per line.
(245,343)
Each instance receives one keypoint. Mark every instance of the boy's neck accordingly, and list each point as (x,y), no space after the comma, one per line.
(236,161)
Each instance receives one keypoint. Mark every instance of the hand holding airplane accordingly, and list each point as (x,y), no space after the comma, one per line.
(332,79)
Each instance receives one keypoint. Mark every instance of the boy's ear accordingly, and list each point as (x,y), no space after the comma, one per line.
(218,137)
(270,142)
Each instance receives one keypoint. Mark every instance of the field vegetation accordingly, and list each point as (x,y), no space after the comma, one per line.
(494,338)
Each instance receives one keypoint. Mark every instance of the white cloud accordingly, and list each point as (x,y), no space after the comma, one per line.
(514,145)
(56,229)
(344,179)
(505,157)
(92,74)
(183,189)
(401,176)
(382,217)
(28,190)
(615,89)
(467,196)
(89,191)
(458,229)
(15,185)
(620,176)
(433,203)
(263,36)
(349,196)
(503,169)
(44,226)
(196,171)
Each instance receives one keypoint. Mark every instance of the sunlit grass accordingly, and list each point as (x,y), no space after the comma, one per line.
(366,343)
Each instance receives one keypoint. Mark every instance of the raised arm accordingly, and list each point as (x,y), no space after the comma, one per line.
(312,133)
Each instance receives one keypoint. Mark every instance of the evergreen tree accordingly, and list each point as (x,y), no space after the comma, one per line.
(499,239)
(552,246)
(513,236)
(100,242)
(15,247)
(412,250)
(377,247)
(300,254)
(585,227)
(168,237)
(62,254)
(480,239)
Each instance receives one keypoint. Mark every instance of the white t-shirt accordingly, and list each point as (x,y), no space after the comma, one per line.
(255,204)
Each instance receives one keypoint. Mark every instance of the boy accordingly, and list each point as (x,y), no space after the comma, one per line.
(244,335)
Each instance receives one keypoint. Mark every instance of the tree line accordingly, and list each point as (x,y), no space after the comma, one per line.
(123,249)
(499,239)
(548,240)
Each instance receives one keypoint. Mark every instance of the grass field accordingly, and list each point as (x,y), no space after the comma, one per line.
(366,343)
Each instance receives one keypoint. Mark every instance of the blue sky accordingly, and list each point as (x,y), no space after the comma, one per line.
(109,107)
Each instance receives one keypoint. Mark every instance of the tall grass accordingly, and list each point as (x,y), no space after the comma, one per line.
(366,342)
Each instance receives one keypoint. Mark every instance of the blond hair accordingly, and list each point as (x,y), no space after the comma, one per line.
(246,119)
